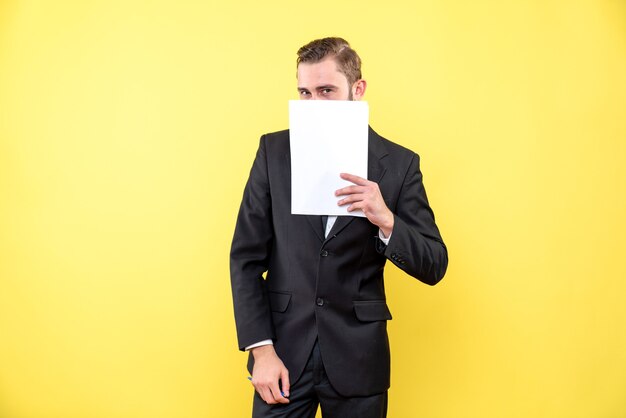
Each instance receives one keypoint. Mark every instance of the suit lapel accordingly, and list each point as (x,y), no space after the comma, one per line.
(375,172)
(376,154)
(316,224)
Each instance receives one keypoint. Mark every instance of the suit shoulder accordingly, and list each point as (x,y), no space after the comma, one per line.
(277,136)
(276,140)
(397,151)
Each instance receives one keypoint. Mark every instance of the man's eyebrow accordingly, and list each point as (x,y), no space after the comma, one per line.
(322,87)
(326,86)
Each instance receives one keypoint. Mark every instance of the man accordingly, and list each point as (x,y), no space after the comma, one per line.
(315,327)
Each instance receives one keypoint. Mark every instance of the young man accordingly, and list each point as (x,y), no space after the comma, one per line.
(316,326)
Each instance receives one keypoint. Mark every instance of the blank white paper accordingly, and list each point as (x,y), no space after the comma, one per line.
(327,137)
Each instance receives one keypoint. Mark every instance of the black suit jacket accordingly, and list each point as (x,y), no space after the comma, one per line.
(331,289)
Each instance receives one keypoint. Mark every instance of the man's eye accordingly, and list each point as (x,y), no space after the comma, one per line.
(303,93)
(326,91)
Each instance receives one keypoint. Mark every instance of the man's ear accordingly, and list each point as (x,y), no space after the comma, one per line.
(358,89)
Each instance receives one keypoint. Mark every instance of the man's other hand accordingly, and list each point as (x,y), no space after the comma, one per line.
(365,195)
(268,370)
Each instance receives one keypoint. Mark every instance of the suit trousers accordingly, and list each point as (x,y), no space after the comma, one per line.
(312,390)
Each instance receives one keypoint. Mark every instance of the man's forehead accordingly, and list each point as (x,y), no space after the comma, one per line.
(322,72)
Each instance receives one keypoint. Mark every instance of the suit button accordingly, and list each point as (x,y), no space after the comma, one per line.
(319,302)
(324,253)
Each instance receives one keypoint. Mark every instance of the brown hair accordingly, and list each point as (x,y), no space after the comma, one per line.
(348,61)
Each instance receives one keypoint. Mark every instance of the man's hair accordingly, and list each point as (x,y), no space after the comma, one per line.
(348,61)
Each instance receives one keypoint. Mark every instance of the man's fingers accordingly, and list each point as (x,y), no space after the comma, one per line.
(268,370)
(276,394)
(355,206)
(266,394)
(350,190)
(270,391)
(284,380)
(350,199)
(354,179)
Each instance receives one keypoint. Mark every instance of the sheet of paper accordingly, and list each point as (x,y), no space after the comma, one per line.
(327,137)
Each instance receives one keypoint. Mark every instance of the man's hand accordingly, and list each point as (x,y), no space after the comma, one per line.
(268,369)
(365,195)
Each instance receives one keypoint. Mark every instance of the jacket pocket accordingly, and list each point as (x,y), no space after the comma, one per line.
(279,301)
(371,310)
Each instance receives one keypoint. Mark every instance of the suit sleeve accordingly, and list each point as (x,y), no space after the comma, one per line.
(249,256)
(416,245)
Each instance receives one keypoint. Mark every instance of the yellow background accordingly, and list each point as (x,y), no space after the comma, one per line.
(127,130)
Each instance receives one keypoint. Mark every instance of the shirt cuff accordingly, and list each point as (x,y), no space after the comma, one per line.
(259,344)
(382,237)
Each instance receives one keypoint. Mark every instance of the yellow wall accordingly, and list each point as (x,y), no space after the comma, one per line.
(127,129)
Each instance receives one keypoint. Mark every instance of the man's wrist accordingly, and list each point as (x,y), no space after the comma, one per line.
(387,228)
(382,238)
(262,351)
